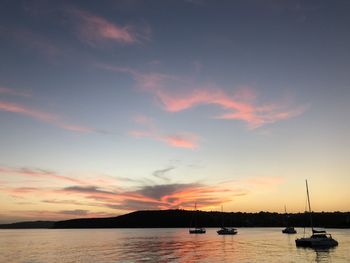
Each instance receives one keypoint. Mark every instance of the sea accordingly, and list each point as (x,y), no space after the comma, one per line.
(163,245)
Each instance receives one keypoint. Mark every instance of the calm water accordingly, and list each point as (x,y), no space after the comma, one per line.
(163,245)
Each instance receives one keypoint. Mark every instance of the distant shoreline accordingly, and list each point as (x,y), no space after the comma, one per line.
(183,218)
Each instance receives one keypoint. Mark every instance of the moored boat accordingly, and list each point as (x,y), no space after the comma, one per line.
(289,230)
(227,231)
(199,230)
(319,238)
(196,229)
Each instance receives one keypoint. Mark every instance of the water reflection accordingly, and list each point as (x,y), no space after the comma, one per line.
(322,255)
(160,245)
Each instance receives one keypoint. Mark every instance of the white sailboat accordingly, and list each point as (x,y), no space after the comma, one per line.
(319,238)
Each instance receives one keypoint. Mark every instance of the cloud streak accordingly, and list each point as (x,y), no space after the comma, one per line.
(175,94)
(36,173)
(177,140)
(8,91)
(35,41)
(162,173)
(43,116)
(96,30)
(183,140)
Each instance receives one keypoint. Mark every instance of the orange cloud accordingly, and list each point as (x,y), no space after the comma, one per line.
(161,196)
(95,30)
(177,94)
(42,116)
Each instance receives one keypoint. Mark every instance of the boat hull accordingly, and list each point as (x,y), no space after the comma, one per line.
(289,230)
(316,242)
(227,231)
(197,231)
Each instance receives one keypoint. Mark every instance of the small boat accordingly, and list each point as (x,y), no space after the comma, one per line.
(319,238)
(225,230)
(199,230)
(196,230)
(288,229)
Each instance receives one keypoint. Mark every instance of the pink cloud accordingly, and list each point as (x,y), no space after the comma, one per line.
(181,140)
(185,140)
(38,173)
(176,94)
(178,140)
(42,116)
(96,30)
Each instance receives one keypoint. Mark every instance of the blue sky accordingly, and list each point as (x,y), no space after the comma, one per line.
(123,105)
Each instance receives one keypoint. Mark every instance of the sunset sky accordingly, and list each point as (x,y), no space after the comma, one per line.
(107,107)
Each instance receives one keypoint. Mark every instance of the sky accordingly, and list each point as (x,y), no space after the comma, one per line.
(108,107)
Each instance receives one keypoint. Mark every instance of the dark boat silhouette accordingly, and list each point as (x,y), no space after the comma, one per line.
(288,229)
(196,229)
(226,230)
(319,238)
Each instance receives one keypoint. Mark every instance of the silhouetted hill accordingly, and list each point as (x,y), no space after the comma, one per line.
(32,224)
(182,218)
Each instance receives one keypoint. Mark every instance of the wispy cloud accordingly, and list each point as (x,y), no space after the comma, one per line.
(75,212)
(150,130)
(176,93)
(35,41)
(162,173)
(43,116)
(24,215)
(183,140)
(96,30)
(13,92)
(86,189)
(36,173)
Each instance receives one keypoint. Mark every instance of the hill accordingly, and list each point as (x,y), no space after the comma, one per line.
(182,218)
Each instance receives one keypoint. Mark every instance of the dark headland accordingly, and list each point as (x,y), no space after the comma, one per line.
(182,218)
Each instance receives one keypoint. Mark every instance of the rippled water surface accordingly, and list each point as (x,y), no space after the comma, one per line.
(163,245)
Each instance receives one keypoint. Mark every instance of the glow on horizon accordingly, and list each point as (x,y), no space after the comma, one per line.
(114,108)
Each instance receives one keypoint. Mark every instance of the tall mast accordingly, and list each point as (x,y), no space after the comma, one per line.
(308,201)
(195,215)
(222,212)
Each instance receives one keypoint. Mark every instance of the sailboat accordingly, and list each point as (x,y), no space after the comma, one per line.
(288,229)
(319,238)
(196,230)
(225,230)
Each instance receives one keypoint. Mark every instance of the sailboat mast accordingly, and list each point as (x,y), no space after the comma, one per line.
(195,218)
(308,201)
(222,212)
